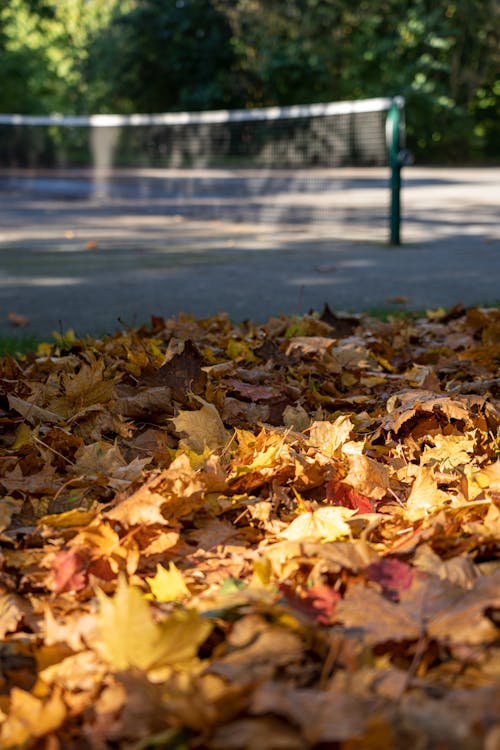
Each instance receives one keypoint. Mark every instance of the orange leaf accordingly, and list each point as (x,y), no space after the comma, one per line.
(20,321)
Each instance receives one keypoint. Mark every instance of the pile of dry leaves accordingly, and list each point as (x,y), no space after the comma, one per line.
(273,537)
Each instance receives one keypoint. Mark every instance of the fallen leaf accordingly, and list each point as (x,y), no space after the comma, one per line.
(296,417)
(68,519)
(398,300)
(105,459)
(392,575)
(202,428)
(407,404)
(20,321)
(467,620)
(168,496)
(70,570)
(9,507)
(31,717)
(168,585)
(31,412)
(43,481)
(182,372)
(312,711)
(256,650)
(449,451)
(329,437)
(13,609)
(130,637)
(314,346)
(324,524)
(425,496)
(318,602)
(368,477)
(378,619)
(340,493)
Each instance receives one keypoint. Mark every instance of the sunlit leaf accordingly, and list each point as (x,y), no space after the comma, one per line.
(202,428)
(425,495)
(324,524)
(449,451)
(168,585)
(367,476)
(330,436)
(130,637)
(74,517)
(31,717)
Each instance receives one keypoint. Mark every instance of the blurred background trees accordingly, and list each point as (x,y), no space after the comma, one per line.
(74,56)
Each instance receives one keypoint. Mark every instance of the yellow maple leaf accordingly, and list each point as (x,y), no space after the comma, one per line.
(130,637)
(84,388)
(23,436)
(265,459)
(488,477)
(425,495)
(73,517)
(31,717)
(202,428)
(101,535)
(449,451)
(167,496)
(325,525)
(328,437)
(367,476)
(168,585)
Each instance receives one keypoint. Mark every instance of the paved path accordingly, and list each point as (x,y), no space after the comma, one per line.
(83,252)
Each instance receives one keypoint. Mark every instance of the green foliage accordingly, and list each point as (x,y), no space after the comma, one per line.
(43,48)
(17,346)
(156,55)
(162,56)
(443,56)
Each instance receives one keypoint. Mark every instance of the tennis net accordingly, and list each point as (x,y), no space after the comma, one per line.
(334,134)
(280,167)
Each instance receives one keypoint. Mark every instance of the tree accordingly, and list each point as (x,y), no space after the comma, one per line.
(43,49)
(441,54)
(162,55)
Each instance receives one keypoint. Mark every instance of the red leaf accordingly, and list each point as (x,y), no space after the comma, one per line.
(338,493)
(322,600)
(392,575)
(318,602)
(69,569)
(101,568)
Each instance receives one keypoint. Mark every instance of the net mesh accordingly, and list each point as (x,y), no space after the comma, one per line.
(327,135)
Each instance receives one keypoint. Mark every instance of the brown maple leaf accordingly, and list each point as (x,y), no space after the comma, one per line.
(43,481)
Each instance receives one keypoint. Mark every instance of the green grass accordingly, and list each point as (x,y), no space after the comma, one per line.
(16,346)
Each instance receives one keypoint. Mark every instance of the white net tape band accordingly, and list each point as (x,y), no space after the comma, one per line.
(216,116)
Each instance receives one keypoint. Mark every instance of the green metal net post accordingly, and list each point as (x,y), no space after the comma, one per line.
(397,157)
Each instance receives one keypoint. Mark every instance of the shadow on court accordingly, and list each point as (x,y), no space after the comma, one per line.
(88,251)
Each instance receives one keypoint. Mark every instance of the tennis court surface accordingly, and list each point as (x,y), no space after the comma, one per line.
(88,249)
